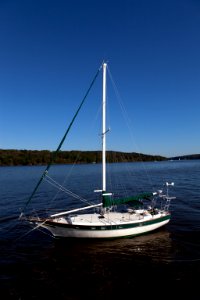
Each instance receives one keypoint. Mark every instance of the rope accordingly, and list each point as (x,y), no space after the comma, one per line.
(63,189)
(54,155)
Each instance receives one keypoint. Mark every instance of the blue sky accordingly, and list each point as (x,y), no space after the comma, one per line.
(50,51)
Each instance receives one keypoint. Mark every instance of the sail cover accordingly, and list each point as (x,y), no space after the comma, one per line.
(136,200)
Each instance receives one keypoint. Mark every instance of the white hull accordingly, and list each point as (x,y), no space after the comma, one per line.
(107,230)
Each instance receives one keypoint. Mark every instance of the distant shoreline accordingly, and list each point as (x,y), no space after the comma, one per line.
(185,157)
(13,157)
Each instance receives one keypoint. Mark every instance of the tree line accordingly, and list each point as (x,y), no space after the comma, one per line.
(12,157)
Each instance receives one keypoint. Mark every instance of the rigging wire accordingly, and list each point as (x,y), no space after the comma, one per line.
(64,181)
(128,123)
(63,189)
(62,141)
(31,230)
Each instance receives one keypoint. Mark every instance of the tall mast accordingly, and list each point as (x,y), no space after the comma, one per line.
(104,129)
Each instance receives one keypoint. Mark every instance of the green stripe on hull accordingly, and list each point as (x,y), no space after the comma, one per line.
(108,227)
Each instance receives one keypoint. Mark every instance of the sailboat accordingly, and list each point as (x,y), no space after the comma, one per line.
(110,218)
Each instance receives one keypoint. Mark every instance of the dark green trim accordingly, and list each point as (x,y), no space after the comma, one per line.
(136,200)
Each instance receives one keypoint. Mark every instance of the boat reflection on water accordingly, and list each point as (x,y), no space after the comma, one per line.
(157,246)
(117,265)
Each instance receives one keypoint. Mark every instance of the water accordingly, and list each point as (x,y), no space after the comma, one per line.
(33,265)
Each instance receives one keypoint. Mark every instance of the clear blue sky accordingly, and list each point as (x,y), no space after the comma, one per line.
(50,51)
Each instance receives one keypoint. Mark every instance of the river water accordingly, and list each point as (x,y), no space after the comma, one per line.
(33,265)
